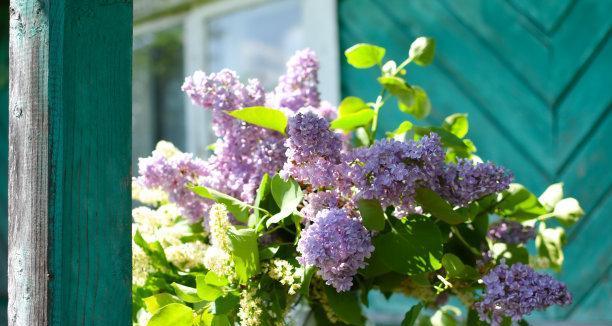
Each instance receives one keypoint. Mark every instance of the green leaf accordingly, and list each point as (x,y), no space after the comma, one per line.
(306,278)
(552,195)
(520,204)
(422,50)
(473,319)
(411,316)
(238,208)
(215,280)
(207,291)
(432,203)
(186,293)
(375,267)
(287,195)
(412,247)
(445,316)
(397,87)
(399,134)
(175,314)
(261,199)
(457,124)
(345,305)
(225,304)
(511,253)
(453,265)
(568,211)
(353,120)
(549,244)
(361,137)
(267,253)
(448,139)
(244,253)
(420,106)
(350,105)
(158,301)
(364,55)
(154,251)
(372,214)
(262,116)
(220,320)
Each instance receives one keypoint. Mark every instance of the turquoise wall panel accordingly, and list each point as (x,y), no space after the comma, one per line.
(535,78)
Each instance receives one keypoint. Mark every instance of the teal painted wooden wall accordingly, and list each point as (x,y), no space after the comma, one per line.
(535,78)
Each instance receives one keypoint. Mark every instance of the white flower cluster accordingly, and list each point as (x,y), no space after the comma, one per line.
(287,274)
(160,224)
(148,196)
(217,258)
(141,266)
(187,255)
(250,312)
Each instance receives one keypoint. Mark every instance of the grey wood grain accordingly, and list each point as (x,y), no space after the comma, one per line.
(28,164)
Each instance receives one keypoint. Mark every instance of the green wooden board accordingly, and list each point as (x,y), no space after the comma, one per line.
(90,120)
(534,77)
(72,120)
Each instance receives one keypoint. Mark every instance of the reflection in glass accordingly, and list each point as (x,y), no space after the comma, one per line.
(256,42)
(157,104)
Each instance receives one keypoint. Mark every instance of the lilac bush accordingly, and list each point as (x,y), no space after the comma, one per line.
(304,203)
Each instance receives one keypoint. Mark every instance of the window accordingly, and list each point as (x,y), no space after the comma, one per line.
(253,37)
(157,104)
(255,42)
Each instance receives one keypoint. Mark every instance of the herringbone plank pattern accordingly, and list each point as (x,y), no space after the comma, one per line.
(535,78)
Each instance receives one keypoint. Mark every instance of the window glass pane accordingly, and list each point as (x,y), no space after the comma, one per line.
(256,41)
(157,108)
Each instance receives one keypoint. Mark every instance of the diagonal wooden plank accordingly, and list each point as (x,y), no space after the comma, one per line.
(587,177)
(525,54)
(583,31)
(595,307)
(546,14)
(593,259)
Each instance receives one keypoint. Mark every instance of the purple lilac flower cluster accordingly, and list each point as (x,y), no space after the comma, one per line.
(391,170)
(313,151)
(298,87)
(337,245)
(245,152)
(516,291)
(510,232)
(173,175)
(315,202)
(221,92)
(467,181)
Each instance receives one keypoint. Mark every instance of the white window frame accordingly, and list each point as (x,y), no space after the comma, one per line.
(319,18)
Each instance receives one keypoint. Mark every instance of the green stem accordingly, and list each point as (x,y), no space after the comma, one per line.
(402,65)
(544,217)
(379,103)
(258,208)
(277,227)
(462,239)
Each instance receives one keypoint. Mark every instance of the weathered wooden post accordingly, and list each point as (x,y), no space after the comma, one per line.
(69,169)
